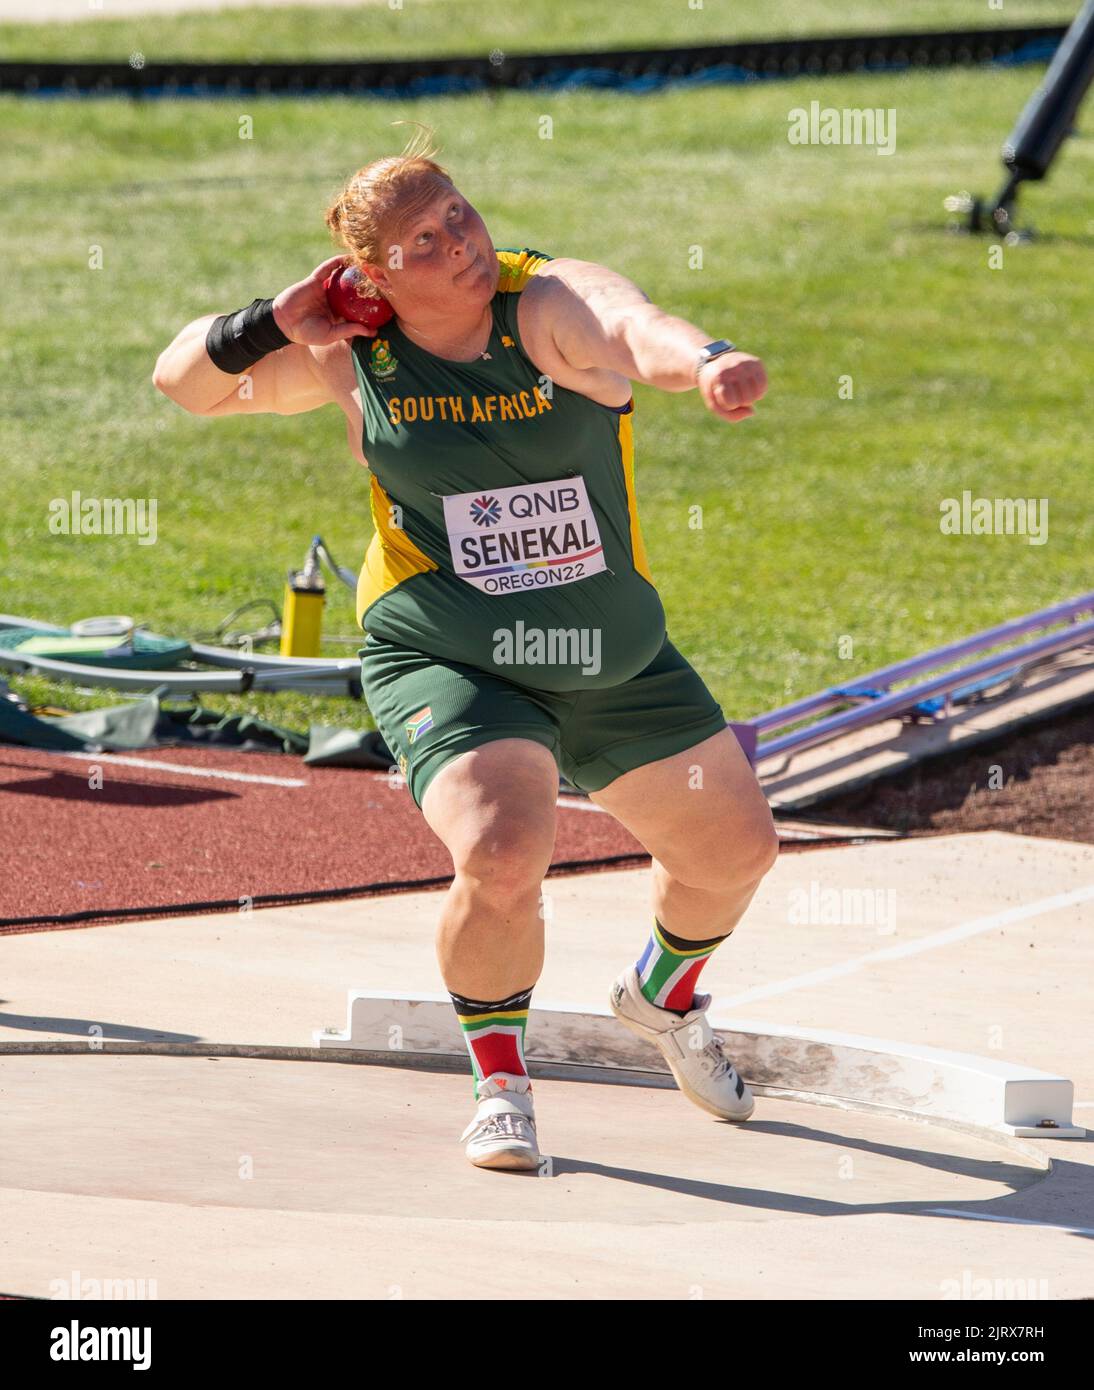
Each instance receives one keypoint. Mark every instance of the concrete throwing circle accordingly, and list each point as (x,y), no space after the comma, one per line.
(223,1177)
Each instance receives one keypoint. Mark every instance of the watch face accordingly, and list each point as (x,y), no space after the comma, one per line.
(713,350)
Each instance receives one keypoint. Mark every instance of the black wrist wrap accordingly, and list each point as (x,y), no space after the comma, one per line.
(237,341)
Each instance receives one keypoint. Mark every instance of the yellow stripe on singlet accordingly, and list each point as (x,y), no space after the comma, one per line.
(516,268)
(391,556)
(626,445)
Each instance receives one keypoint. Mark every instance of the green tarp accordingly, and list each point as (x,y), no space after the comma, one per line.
(151,722)
(145,651)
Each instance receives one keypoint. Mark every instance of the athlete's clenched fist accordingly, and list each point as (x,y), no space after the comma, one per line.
(730,383)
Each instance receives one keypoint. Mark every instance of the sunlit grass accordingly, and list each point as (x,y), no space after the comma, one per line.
(820,516)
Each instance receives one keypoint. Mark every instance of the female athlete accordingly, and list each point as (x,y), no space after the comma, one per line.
(512,626)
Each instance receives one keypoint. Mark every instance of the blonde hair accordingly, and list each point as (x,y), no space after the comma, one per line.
(394,187)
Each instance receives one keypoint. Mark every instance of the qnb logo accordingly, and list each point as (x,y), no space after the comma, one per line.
(486,511)
(76,1343)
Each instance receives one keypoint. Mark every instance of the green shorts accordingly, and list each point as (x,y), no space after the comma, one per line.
(430,711)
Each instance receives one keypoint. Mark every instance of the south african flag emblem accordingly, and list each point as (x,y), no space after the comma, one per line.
(418,723)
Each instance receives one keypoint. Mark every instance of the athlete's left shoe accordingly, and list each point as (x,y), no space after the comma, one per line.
(503,1131)
(694,1052)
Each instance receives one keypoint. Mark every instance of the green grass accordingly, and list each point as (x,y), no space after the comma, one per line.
(820,515)
(435,28)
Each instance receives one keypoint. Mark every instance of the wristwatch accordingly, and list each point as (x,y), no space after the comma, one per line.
(712,350)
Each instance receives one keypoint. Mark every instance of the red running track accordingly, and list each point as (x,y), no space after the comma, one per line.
(150,840)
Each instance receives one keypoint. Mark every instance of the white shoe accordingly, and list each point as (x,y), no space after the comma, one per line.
(694,1052)
(503,1132)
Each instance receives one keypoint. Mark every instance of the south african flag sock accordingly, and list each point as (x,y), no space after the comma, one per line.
(670,966)
(494,1033)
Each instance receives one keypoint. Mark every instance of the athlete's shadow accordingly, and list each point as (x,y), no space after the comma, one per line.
(85,1028)
(70,786)
(1019,1178)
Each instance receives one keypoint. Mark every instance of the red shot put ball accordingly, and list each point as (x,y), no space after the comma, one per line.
(346,303)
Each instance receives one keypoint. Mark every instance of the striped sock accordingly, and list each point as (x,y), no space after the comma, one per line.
(670,966)
(494,1033)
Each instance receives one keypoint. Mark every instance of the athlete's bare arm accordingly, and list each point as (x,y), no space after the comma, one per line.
(282,383)
(597,318)
(286,382)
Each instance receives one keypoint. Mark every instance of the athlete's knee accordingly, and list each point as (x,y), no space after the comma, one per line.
(760,846)
(495,811)
(738,856)
(506,856)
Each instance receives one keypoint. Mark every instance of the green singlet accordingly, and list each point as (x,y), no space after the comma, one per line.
(500,498)
(505,592)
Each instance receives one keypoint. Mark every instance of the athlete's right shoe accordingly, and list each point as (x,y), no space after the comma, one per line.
(503,1132)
